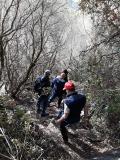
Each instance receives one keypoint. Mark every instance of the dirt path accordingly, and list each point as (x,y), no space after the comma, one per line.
(80,147)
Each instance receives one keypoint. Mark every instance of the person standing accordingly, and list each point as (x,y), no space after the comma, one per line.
(66,80)
(43,89)
(66,74)
(57,88)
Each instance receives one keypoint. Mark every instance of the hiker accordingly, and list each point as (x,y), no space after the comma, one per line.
(57,88)
(43,89)
(66,74)
(66,80)
(73,105)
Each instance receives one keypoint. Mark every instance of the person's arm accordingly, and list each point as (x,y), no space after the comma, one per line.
(42,81)
(65,115)
(53,82)
(86,111)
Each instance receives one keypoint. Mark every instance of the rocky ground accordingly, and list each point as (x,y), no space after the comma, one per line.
(84,143)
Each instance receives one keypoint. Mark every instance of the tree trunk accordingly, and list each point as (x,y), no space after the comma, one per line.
(1,58)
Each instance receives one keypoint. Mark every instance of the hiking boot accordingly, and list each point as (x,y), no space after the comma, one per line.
(44,114)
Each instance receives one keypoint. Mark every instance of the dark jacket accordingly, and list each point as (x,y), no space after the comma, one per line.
(42,85)
(58,85)
(66,78)
(45,81)
(75,103)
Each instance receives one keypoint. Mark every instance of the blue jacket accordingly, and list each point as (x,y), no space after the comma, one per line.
(58,85)
(75,103)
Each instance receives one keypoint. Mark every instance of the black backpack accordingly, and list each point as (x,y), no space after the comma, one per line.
(37,85)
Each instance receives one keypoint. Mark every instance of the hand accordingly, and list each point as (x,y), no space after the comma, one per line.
(62,102)
(58,121)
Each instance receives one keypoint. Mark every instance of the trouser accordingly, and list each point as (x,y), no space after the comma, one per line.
(42,103)
(64,130)
(64,124)
(53,96)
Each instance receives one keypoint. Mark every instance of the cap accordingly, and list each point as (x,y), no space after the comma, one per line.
(69,86)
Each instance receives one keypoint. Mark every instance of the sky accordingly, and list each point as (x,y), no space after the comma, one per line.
(73,4)
(80,24)
(75,11)
(78,33)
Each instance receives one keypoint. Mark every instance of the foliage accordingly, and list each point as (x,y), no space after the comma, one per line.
(20,140)
(30,38)
(98,67)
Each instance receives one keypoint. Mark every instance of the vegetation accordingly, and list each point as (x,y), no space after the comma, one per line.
(32,35)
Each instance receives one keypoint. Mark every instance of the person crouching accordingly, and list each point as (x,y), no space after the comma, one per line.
(73,105)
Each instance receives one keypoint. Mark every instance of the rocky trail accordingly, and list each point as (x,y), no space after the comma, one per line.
(83,143)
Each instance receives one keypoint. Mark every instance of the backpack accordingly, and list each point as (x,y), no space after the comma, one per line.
(37,85)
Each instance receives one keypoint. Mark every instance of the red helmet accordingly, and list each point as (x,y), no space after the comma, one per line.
(69,86)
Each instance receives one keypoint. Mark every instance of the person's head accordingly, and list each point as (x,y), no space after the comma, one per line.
(47,73)
(69,86)
(65,71)
(62,75)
